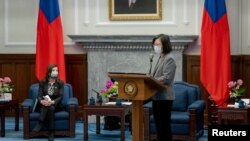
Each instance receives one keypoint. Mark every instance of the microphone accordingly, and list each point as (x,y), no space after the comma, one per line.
(96,92)
(151,56)
(99,97)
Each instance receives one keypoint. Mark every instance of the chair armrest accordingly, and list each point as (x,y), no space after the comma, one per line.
(196,113)
(199,105)
(72,103)
(27,103)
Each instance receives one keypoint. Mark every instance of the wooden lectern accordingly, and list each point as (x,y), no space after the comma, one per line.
(136,87)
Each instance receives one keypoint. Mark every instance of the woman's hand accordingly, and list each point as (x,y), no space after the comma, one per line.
(46,102)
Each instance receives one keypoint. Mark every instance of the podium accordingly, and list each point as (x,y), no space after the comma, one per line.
(136,87)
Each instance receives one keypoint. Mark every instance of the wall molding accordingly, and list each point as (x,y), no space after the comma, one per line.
(7,43)
(86,12)
(128,42)
(185,13)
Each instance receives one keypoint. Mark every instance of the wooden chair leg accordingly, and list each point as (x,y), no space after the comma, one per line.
(26,125)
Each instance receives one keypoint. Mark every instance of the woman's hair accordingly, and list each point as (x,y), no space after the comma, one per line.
(166,44)
(49,70)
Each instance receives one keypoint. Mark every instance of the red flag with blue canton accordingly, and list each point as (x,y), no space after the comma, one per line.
(49,43)
(215,51)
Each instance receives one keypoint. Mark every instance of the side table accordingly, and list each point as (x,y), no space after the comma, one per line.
(104,110)
(12,104)
(230,115)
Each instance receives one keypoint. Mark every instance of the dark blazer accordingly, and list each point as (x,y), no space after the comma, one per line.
(165,71)
(56,96)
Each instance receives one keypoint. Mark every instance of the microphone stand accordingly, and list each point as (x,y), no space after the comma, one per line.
(151,61)
(99,97)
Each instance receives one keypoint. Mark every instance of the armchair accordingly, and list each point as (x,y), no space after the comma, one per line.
(187,116)
(64,120)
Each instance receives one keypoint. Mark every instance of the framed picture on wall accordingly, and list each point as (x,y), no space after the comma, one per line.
(135,9)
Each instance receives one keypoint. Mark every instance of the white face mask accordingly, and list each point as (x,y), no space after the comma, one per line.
(54,74)
(157,49)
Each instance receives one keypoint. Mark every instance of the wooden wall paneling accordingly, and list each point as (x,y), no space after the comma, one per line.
(21,73)
(193,76)
(7,70)
(77,77)
(236,67)
(193,73)
(240,68)
(17,67)
(246,74)
(32,75)
(21,69)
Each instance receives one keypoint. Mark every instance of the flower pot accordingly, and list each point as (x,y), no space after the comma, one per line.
(118,101)
(238,98)
(7,96)
(112,98)
(242,104)
(1,96)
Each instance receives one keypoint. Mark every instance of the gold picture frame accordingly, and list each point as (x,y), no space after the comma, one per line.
(135,10)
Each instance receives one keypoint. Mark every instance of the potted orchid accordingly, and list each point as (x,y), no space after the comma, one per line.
(236,89)
(110,89)
(6,87)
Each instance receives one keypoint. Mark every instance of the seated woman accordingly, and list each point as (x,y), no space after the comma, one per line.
(50,94)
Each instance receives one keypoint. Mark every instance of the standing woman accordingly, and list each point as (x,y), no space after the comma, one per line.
(50,94)
(162,101)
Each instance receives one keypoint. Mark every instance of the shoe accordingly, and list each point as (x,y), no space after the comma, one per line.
(51,137)
(38,127)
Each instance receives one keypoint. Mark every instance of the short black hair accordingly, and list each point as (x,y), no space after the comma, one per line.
(166,44)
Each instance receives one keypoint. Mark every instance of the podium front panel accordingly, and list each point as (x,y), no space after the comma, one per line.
(134,89)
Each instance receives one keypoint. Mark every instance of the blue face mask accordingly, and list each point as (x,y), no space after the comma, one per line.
(54,74)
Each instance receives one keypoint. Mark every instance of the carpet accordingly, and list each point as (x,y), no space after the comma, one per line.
(106,135)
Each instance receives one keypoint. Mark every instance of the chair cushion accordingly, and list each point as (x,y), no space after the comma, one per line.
(180,117)
(179,123)
(61,115)
(180,129)
(181,100)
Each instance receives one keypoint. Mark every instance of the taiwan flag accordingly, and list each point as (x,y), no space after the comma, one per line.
(49,43)
(215,51)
